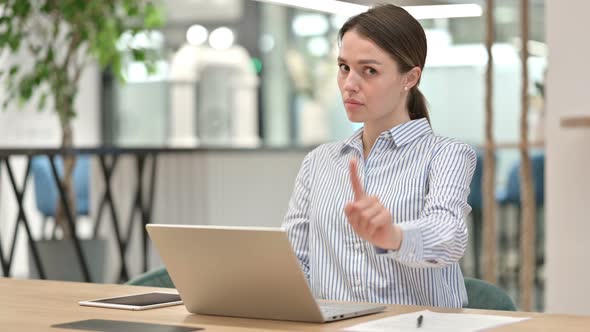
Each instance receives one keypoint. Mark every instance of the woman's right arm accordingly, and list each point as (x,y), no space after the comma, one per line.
(296,221)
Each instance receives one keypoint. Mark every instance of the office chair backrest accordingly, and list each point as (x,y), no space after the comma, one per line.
(155,278)
(513,185)
(475,198)
(483,295)
(46,193)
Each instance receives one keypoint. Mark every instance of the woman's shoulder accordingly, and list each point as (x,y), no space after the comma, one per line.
(444,144)
(326,150)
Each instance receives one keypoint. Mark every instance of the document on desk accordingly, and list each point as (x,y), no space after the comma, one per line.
(435,322)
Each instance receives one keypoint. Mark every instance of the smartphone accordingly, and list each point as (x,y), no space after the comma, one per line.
(142,301)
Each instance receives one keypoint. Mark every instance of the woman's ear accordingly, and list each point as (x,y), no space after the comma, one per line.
(412,77)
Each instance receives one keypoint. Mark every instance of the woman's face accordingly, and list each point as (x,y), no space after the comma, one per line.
(371,85)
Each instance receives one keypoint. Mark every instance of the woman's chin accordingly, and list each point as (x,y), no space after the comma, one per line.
(354,117)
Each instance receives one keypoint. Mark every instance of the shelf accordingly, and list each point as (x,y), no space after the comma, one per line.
(576,121)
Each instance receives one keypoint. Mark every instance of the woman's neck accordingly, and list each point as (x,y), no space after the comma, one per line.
(372,130)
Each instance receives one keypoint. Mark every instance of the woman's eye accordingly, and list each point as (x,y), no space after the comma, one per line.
(370,71)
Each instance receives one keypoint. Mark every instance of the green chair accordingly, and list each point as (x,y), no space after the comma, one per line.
(155,278)
(483,295)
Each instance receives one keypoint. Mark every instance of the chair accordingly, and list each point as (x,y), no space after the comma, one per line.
(511,196)
(46,192)
(475,200)
(155,278)
(483,295)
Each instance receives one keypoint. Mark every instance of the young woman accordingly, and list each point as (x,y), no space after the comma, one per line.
(379,217)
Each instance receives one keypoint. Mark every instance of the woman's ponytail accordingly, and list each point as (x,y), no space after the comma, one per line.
(417,106)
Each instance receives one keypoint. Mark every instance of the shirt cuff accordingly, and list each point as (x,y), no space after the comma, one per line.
(411,249)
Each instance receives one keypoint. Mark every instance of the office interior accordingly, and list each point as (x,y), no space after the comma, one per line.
(247,88)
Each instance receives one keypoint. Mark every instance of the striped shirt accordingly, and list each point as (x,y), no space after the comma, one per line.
(423,179)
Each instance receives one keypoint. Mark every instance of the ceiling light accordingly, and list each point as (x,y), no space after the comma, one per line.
(444,11)
(310,25)
(350,9)
(221,38)
(196,34)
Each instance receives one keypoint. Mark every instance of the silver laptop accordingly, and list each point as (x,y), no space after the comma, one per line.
(243,272)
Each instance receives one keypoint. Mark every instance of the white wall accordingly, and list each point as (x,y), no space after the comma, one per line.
(26,126)
(568,159)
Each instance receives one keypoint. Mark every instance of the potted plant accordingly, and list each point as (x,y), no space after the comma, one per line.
(61,38)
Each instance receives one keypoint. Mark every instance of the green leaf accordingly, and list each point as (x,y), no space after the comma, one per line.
(138,54)
(49,57)
(131,7)
(84,34)
(68,11)
(153,17)
(21,8)
(45,8)
(151,67)
(117,69)
(14,42)
(13,70)
(42,70)
(4,38)
(25,88)
(42,102)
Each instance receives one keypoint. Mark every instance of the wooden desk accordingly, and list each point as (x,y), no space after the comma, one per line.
(35,305)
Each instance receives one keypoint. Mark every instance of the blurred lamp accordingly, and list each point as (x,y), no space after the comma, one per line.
(196,34)
(221,38)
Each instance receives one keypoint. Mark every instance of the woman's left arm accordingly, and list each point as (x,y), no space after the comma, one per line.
(439,237)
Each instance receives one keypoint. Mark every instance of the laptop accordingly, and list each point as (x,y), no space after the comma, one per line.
(247,272)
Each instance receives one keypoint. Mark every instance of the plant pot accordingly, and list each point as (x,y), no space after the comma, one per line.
(60,262)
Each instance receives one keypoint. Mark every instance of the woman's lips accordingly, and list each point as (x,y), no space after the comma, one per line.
(352,104)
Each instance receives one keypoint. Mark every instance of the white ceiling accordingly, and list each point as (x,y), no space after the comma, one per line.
(203,11)
(190,11)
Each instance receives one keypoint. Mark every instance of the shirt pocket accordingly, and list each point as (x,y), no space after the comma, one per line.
(405,201)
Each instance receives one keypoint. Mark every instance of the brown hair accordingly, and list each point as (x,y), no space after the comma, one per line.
(395,31)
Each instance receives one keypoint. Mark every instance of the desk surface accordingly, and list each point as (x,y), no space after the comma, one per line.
(35,305)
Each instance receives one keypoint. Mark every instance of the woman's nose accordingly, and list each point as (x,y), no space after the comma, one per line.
(351,83)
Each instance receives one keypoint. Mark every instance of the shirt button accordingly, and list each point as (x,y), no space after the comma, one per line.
(357,282)
(357,246)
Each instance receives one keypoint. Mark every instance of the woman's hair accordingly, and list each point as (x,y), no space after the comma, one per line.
(395,31)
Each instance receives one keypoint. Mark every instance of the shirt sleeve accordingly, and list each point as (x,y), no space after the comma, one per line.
(439,237)
(296,222)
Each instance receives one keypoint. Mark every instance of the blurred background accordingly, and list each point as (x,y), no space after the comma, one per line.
(251,87)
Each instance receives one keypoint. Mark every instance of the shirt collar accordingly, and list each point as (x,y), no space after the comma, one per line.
(354,141)
(409,131)
(401,134)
